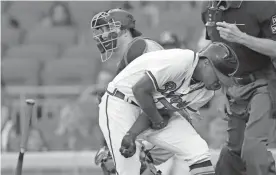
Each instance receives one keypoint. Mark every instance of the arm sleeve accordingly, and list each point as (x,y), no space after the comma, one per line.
(267,19)
(170,70)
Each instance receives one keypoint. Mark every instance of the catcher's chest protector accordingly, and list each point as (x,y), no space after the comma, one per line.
(136,48)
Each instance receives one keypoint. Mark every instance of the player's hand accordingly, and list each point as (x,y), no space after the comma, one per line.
(230,32)
(166,115)
(128,146)
(159,125)
(224,107)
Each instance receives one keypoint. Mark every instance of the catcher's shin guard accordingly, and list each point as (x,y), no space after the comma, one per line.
(147,162)
(104,159)
(203,168)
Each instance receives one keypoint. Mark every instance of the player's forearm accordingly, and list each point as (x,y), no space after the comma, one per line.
(261,45)
(147,104)
(140,125)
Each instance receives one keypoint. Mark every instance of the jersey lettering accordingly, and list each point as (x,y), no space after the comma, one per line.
(171,96)
(172,99)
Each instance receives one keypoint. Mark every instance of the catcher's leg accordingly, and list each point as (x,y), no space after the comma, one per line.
(181,138)
(115,119)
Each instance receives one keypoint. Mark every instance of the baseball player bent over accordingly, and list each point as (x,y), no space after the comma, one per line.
(176,80)
(116,36)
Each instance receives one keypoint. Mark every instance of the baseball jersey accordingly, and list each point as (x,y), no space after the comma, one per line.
(171,73)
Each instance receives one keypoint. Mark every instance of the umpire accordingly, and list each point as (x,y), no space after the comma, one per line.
(249,27)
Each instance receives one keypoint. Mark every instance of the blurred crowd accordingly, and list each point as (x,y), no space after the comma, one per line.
(172,24)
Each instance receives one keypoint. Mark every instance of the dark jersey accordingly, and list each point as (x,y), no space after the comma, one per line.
(258,19)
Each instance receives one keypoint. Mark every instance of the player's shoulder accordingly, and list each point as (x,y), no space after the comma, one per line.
(152,45)
(184,53)
(136,48)
(174,56)
(188,56)
(181,57)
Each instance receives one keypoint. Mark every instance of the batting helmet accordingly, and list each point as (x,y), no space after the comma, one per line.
(223,59)
(105,27)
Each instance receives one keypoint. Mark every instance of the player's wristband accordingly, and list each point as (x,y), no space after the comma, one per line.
(158,125)
(133,135)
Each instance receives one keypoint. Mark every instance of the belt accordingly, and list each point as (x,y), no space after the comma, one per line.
(265,73)
(122,96)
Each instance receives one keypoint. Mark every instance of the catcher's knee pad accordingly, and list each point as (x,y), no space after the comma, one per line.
(203,168)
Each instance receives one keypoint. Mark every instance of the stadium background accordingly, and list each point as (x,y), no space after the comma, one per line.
(47,53)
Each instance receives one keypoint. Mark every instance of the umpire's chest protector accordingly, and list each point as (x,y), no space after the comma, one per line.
(247,15)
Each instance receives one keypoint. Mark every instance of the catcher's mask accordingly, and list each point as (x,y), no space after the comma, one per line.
(106,27)
(223,59)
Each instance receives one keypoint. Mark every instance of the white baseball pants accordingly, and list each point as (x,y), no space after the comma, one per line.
(117,116)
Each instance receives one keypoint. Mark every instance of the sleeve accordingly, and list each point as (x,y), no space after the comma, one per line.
(169,70)
(267,19)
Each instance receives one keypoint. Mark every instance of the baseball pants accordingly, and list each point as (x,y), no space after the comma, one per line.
(117,116)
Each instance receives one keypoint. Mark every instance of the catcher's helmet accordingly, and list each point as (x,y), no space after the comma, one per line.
(223,59)
(111,20)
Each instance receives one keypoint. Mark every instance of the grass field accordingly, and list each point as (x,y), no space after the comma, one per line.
(61,163)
